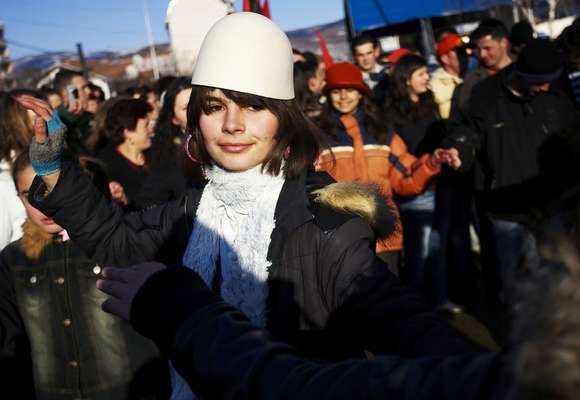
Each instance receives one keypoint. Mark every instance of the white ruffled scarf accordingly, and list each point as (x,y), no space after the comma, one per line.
(233,224)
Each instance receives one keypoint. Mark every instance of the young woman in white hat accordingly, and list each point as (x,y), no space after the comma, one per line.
(272,237)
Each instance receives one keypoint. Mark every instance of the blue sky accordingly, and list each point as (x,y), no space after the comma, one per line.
(33,26)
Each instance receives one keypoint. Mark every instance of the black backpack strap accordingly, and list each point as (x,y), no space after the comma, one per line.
(393,158)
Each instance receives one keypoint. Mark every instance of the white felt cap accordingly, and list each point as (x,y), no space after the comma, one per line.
(248,53)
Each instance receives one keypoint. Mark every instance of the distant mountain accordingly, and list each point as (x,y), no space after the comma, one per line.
(41,61)
(46,60)
(302,39)
(98,55)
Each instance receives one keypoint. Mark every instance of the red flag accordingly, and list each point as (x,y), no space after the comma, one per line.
(326,56)
(266,9)
(247,6)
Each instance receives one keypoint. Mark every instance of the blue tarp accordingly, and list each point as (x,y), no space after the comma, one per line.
(370,14)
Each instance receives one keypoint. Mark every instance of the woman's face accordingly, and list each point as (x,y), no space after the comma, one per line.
(54,100)
(237,138)
(345,101)
(316,82)
(180,109)
(141,136)
(23,182)
(418,82)
(153,101)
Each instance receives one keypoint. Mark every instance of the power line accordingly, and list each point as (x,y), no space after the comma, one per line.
(27,46)
(69,27)
(135,10)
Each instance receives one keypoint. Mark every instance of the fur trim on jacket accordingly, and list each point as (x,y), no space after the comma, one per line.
(34,240)
(364,200)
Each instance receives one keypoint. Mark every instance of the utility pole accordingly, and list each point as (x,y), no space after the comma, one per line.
(6,80)
(515,13)
(151,42)
(427,38)
(552,16)
(530,10)
(82,60)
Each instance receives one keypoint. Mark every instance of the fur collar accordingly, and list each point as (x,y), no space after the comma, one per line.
(34,240)
(362,199)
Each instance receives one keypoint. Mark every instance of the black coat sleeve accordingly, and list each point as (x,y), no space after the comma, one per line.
(222,356)
(15,357)
(465,126)
(164,182)
(372,309)
(103,230)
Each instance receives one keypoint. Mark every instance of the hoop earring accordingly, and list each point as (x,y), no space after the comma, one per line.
(186,147)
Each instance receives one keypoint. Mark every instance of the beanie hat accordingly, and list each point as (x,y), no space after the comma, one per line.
(246,52)
(343,76)
(448,43)
(539,62)
(396,55)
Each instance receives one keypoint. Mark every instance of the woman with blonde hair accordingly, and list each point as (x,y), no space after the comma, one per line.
(15,135)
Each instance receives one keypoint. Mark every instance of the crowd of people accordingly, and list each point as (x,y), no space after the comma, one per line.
(289,226)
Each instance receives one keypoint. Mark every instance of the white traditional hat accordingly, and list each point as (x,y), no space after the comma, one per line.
(246,52)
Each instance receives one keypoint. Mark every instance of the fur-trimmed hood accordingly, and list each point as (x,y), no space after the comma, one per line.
(34,239)
(364,200)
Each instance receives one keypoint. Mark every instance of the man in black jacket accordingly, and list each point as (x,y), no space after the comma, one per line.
(521,137)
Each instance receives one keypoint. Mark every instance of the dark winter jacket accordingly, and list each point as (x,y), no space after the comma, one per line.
(77,350)
(120,169)
(422,135)
(223,356)
(516,144)
(328,293)
(145,186)
(463,92)
(165,182)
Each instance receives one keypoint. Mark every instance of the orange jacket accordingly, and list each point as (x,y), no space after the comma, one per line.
(392,168)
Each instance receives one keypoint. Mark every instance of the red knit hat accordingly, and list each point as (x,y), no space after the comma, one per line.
(448,43)
(396,55)
(343,76)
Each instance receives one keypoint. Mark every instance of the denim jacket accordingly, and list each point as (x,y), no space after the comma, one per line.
(77,350)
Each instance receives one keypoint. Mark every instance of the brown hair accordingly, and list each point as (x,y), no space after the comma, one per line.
(124,114)
(295,131)
(15,130)
(97,138)
(399,108)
